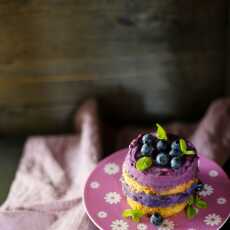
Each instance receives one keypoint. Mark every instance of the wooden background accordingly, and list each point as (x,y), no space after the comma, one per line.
(140,59)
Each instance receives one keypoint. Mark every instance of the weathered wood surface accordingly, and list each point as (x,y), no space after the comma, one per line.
(168,60)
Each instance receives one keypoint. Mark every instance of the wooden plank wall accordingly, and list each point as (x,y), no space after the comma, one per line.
(139,58)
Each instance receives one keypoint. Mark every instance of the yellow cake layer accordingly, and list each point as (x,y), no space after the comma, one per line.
(164,211)
(137,187)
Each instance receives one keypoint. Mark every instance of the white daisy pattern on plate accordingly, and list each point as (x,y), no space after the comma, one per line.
(94,185)
(142,227)
(119,225)
(207,191)
(212,219)
(221,200)
(102,214)
(112,198)
(111,168)
(213,173)
(166,225)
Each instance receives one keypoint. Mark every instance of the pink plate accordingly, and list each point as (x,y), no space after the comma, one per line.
(104,201)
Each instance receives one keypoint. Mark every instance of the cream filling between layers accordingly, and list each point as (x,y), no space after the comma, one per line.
(137,187)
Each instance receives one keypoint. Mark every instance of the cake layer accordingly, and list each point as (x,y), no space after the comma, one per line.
(151,200)
(163,178)
(164,212)
(134,185)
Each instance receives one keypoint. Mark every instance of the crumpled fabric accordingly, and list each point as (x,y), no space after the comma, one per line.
(46,193)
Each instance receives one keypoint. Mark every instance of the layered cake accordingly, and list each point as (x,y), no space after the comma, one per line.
(159,176)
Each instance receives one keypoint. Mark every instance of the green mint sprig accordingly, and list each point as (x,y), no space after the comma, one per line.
(191,212)
(200,203)
(194,201)
(161,133)
(134,214)
(144,163)
(183,148)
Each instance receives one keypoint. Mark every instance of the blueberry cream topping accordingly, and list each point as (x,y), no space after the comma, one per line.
(166,150)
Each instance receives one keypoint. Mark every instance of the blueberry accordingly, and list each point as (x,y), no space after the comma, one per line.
(147,139)
(174,153)
(146,149)
(193,187)
(175,145)
(156,219)
(176,162)
(199,187)
(162,145)
(162,159)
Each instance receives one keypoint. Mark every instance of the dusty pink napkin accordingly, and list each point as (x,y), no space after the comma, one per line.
(46,193)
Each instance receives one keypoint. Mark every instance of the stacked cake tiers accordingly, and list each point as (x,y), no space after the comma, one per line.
(160,173)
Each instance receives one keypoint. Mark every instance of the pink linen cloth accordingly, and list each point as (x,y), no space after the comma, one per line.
(46,193)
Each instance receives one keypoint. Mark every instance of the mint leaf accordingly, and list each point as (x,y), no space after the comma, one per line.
(144,163)
(183,145)
(200,203)
(189,152)
(183,148)
(127,213)
(135,219)
(138,212)
(134,214)
(161,133)
(191,200)
(190,212)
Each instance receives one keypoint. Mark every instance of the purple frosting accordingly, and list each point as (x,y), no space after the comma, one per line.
(157,200)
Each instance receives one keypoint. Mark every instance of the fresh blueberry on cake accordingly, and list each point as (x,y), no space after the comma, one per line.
(160,177)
